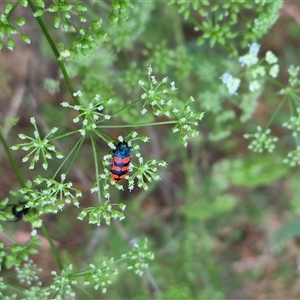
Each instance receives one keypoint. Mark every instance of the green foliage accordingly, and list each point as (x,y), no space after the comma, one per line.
(250,171)
(218,21)
(9,26)
(117,83)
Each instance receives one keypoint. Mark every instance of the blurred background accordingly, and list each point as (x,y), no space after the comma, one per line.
(223,221)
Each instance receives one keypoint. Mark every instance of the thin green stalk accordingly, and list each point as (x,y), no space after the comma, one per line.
(57,137)
(127,106)
(11,160)
(105,137)
(84,291)
(95,151)
(138,125)
(277,109)
(56,53)
(73,154)
(12,10)
(53,247)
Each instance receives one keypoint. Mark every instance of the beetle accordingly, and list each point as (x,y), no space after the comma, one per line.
(19,214)
(121,160)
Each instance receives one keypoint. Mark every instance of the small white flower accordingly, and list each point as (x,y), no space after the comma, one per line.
(153,79)
(254,86)
(258,71)
(111,145)
(173,88)
(274,71)
(271,58)
(231,83)
(82,132)
(226,78)
(254,48)
(134,134)
(65,53)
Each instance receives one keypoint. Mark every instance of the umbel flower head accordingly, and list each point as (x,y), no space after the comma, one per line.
(38,147)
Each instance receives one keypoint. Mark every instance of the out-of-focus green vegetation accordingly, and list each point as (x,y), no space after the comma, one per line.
(223,220)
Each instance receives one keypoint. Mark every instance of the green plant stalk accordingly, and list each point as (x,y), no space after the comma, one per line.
(127,106)
(105,137)
(84,291)
(63,135)
(11,160)
(56,53)
(276,111)
(71,153)
(138,125)
(95,150)
(12,10)
(53,248)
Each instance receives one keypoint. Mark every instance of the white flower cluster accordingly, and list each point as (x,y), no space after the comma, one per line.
(90,114)
(155,94)
(38,147)
(262,140)
(254,68)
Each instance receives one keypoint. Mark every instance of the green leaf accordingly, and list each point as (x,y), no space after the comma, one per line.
(251,170)
(208,208)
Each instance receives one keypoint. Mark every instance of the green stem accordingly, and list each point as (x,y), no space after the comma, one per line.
(105,137)
(12,10)
(95,152)
(57,137)
(84,291)
(127,106)
(56,53)
(73,154)
(78,147)
(276,111)
(138,125)
(52,246)
(11,160)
